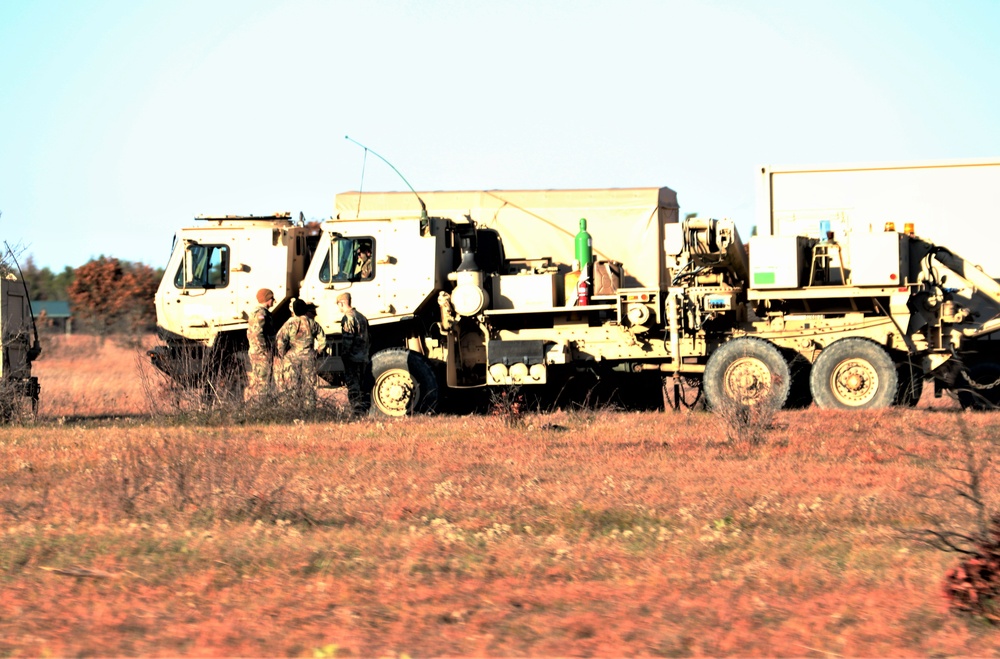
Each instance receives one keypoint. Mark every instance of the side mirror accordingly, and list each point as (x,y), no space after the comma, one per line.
(333,256)
(188,266)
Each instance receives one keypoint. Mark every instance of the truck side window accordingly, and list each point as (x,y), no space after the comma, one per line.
(349,259)
(209,267)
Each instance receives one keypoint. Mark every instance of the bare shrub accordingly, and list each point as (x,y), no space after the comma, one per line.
(507,405)
(18,403)
(746,423)
(217,397)
(959,517)
(205,478)
(192,388)
(972,586)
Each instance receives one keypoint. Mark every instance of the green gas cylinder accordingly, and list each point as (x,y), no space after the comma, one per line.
(584,244)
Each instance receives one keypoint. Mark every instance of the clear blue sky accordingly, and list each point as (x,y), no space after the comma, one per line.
(121,120)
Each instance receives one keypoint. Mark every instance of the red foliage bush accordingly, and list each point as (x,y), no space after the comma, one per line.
(973,585)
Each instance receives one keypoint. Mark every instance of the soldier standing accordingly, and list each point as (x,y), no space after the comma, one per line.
(297,341)
(260,337)
(354,351)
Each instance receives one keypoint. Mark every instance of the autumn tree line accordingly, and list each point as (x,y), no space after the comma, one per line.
(106,295)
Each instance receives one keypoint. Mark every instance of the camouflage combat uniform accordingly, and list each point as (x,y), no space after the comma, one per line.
(297,341)
(260,336)
(354,351)
(364,267)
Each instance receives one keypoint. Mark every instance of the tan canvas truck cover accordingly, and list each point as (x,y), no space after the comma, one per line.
(626,224)
(955,203)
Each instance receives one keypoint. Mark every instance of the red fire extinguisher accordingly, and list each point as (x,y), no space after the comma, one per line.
(583,287)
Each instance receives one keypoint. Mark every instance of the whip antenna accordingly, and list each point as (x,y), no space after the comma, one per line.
(423,208)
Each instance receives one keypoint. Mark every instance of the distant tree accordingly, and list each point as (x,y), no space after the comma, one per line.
(112,296)
(33,276)
(43,284)
(60,284)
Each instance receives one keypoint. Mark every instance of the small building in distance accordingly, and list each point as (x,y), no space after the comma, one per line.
(52,316)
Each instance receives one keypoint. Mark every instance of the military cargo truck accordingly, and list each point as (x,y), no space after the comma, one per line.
(452,306)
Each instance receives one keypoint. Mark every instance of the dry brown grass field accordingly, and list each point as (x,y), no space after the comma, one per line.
(573,533)
(82,376)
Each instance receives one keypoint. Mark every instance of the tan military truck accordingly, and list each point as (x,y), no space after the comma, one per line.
(452,307)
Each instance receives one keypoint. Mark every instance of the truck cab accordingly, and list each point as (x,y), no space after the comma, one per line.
(211,281)
(391,268)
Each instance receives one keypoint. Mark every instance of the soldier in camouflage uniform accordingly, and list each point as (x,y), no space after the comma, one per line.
(260,336)
(364,265)
(297,343)
(354,351)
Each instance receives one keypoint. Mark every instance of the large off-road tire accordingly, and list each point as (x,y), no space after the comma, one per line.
(854,374)
(404,383)
(910,383)
(746,371)
(983,373)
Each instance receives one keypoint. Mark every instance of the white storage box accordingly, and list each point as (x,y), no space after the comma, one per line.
(779,261)
(879,259)
(524,291)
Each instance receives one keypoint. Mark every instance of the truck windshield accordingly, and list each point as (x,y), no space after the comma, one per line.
(350,259)
(204,266)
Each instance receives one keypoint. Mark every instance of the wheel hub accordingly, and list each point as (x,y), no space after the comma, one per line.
(747,380)
(855,382)
(394,392)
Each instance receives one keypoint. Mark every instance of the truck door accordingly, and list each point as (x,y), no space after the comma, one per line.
(350,265)
(203,294)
